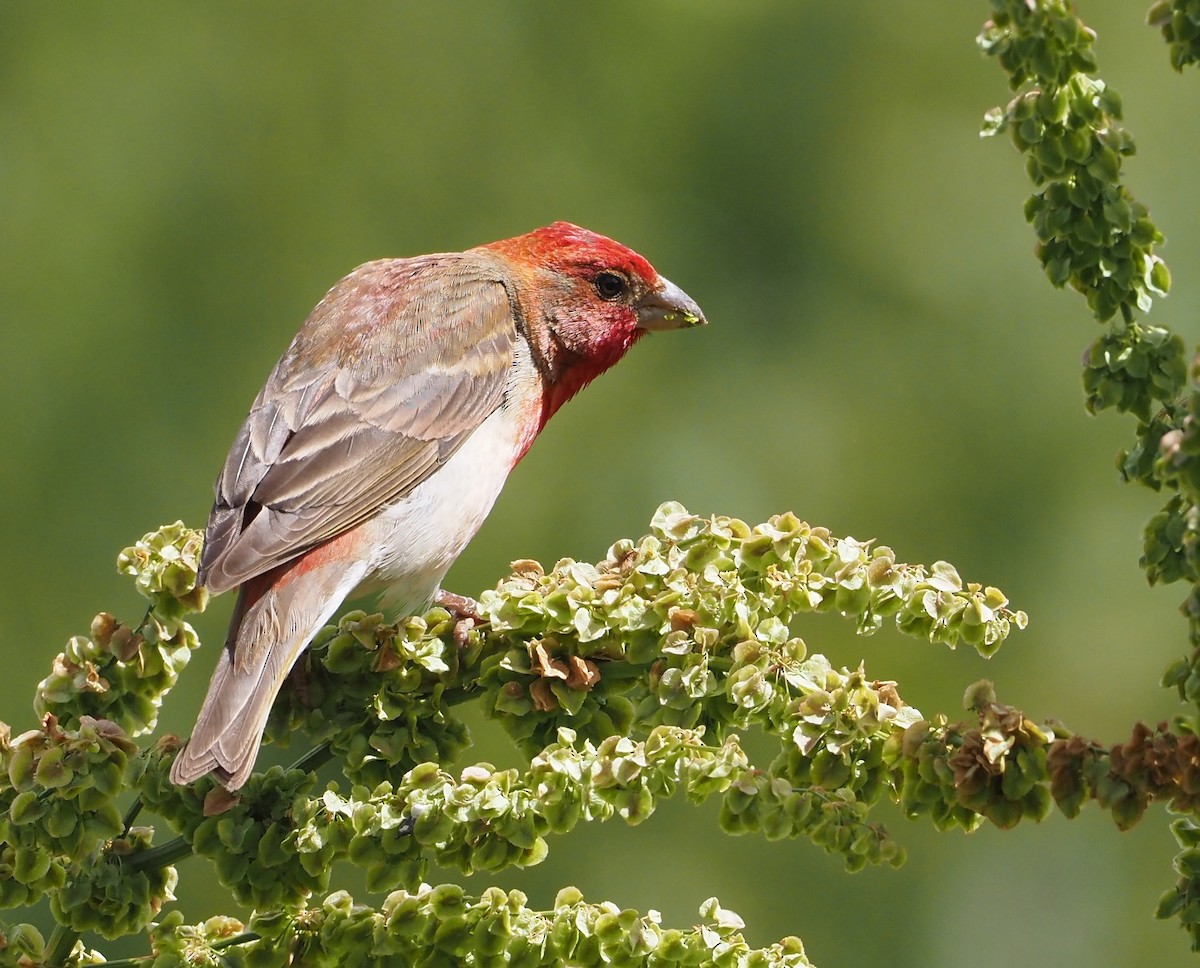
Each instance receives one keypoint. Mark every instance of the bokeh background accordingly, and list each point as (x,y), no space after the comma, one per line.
(180,183)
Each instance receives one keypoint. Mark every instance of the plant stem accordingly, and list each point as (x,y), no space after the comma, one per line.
(160,855)
(315,757)
(243,938)
(131,814)
(59,947)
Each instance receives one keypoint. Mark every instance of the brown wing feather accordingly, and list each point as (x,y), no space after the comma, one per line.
(394,368)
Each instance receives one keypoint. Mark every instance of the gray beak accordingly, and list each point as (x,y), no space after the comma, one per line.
(668,307)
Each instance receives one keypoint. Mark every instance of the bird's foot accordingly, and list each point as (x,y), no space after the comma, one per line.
(298,680)
(466,610)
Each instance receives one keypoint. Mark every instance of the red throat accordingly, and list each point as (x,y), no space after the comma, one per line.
(583,371)
(573,379)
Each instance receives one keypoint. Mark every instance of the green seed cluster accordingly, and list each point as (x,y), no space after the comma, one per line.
(685,632)
(116,674)
(487,819)
(57,803)
(1183,900)
(376,693)
(21,942)
(687,629)
(1091,232)
(163,565)
(1040,42)
(1172,553)
(437,926)
(689,626)
(1178,465)
(1179,21)
(1172,537)
(836,821)
(122,673)
(250,837)
(960,774)
(830,769)
(209,944)
(1093,235)
(1169,548)
(23,946)
(110,896)
(1132,367)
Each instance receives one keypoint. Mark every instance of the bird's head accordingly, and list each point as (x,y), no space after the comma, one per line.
(586,299)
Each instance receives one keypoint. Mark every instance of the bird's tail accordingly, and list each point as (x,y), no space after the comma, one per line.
(276,616)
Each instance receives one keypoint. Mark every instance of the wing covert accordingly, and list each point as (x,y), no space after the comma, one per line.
(389,374)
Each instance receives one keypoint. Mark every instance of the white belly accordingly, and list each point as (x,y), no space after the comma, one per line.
(418,538)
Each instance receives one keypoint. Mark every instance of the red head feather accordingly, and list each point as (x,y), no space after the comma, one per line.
(575,333)
(564,245)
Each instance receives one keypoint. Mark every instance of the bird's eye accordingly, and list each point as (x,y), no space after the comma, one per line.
(610,286)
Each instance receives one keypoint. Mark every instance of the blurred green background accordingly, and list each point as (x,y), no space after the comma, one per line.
(179,184)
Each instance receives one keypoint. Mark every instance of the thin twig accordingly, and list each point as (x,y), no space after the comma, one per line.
(131,814)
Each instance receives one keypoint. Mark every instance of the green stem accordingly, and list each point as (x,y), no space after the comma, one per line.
(244,938)
(318,756)
(62,941)
(160,855)
(131,814)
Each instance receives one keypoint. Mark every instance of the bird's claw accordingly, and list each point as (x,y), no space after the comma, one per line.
(299,678)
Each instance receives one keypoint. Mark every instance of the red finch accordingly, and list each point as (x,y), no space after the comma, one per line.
(383,437)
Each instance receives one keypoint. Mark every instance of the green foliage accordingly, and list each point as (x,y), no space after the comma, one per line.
(697,613)
(249,838)
(62,833)
(1179,21)
(57,795)
(622,680)
(435,926)
(379,694)
(1093,235)
(120,673)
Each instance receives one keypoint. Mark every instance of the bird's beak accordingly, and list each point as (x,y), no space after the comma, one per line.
(668,307)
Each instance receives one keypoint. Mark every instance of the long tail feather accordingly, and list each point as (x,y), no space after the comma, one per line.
(271,627)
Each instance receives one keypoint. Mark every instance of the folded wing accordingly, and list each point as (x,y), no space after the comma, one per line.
(391,372)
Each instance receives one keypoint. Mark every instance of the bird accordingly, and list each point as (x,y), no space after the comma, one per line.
(384,435)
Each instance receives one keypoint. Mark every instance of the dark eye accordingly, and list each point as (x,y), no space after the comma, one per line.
(610,286)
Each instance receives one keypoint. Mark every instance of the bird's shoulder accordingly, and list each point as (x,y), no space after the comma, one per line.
(408,313)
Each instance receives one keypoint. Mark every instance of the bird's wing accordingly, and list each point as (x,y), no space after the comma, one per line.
(391,372)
